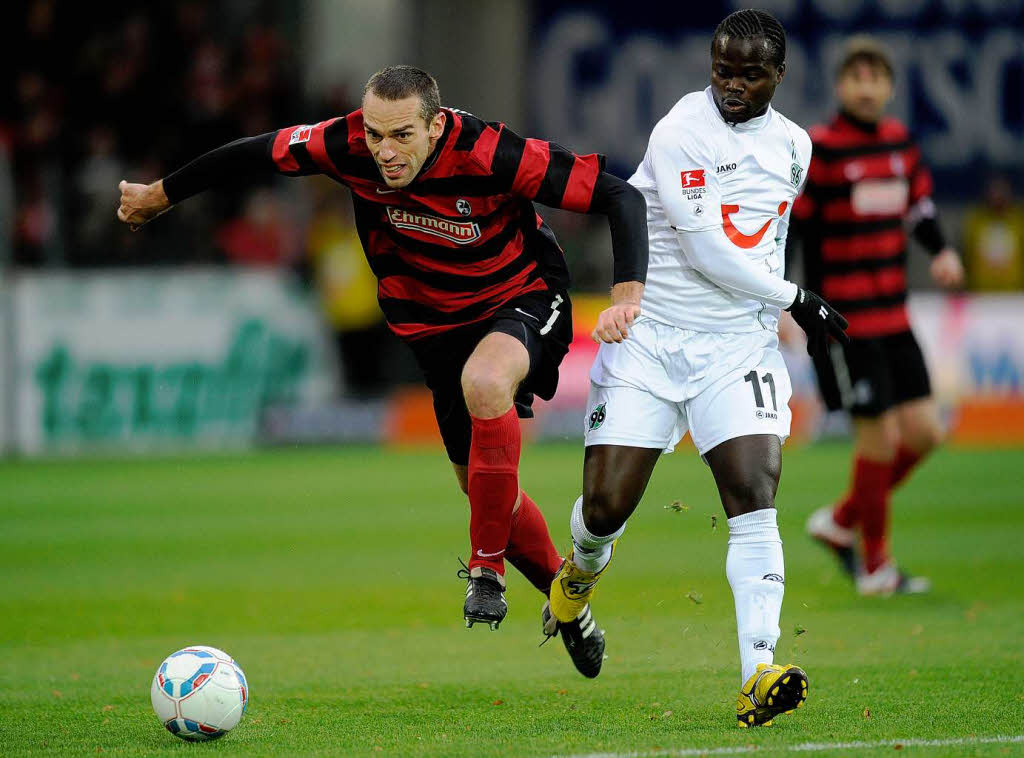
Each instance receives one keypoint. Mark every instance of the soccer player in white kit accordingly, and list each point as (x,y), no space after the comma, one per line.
(720,175)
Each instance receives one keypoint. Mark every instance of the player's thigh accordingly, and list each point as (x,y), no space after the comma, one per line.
(746,471)
(750,399)
(492,374)
(919,425)
(909,372)
(875,438)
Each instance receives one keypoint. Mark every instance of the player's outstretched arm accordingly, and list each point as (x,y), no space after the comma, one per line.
(242,159)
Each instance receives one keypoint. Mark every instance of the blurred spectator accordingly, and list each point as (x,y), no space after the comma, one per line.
(994,240)
(101,93)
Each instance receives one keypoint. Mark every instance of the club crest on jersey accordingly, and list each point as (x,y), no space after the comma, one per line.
(459,232)
(795,173)
(301,134)
(462,206)
(596,417)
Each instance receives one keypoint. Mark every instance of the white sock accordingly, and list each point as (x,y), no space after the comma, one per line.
(591,552)
(757,576)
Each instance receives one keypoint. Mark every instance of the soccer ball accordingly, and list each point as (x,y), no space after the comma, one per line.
(199,693)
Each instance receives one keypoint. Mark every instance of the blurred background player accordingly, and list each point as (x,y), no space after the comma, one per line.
(469,276)
(721,172)
(866,186)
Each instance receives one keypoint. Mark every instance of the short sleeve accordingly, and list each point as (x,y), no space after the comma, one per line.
(311,148)
(684,171)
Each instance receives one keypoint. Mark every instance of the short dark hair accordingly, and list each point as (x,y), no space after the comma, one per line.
(864,49)
(400,82)
(753,24)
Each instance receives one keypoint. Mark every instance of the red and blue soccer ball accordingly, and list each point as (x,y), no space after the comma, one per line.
(199,693)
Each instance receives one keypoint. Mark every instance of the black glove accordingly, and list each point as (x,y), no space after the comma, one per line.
(819,320)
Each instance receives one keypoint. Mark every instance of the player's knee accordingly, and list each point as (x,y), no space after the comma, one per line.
(487,392)
(750,494)
(605,512)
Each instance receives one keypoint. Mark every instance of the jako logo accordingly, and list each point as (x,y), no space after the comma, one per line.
(459,232)
(737,237)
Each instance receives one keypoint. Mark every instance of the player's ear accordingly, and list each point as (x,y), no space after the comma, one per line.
(437,125)
(780,73)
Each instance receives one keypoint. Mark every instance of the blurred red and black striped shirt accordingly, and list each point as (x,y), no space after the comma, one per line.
(463,238)
(852,218)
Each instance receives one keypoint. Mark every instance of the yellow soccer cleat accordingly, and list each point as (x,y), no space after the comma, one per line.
(572,588)
(771,690)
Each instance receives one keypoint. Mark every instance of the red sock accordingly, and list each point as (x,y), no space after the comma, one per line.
(493,488)
(906,460)
(868,499)
(530,548)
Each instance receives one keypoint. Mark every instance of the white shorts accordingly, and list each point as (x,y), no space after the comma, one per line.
(663,381)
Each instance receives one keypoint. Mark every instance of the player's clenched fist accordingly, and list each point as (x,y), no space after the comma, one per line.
(141,203)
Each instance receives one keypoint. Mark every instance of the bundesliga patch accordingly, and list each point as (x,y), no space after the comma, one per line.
(693,183)
(692,178)
(301,134)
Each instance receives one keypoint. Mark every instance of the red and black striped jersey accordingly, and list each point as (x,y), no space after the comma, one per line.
(463,237)
(852,218)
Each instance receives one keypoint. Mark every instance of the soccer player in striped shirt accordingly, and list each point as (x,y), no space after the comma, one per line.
(867,184)
(469,276)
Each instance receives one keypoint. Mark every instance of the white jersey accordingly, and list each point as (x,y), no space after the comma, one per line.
(707,173)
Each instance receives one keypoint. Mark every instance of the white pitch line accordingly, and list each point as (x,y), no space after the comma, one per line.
(806,747)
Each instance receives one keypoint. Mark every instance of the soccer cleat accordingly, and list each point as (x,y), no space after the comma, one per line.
(771,690)
(840,540)
(572,588)
(485,597)
(582,637)
(887,580)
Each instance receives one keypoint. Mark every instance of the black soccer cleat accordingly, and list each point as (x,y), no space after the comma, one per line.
(485,597)
(583,639)
(823,528)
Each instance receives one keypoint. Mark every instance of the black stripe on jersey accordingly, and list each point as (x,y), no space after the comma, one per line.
(306,163)
(399,312)
(336,143)
(508,153)
(828,153)
(846,307)
(465,254)
(864,265)
(556,178)
(826,192)
(472,128)
(846,229)
(390,264)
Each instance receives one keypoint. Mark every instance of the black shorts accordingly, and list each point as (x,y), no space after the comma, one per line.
(542,321)
(870,376)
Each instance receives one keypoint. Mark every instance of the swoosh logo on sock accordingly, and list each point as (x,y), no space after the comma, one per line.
(482,554)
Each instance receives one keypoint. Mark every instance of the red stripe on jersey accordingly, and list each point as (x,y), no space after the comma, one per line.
(486,144)
(887,244)
(318,149)
(579,190)
(283,158)
(446,301)
(380,243)
(881,165)
(418,331)
(532,168)
(921,184)
(878,321)
(864,285)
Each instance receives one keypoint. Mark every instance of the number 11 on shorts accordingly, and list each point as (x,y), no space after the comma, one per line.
(768,379)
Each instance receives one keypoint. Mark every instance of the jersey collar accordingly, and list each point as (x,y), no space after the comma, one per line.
(755,124)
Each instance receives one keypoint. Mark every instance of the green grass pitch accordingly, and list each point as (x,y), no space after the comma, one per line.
(329,574)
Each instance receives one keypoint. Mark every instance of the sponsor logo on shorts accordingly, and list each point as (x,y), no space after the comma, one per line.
(459,232)
(597,417)
(766,415)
